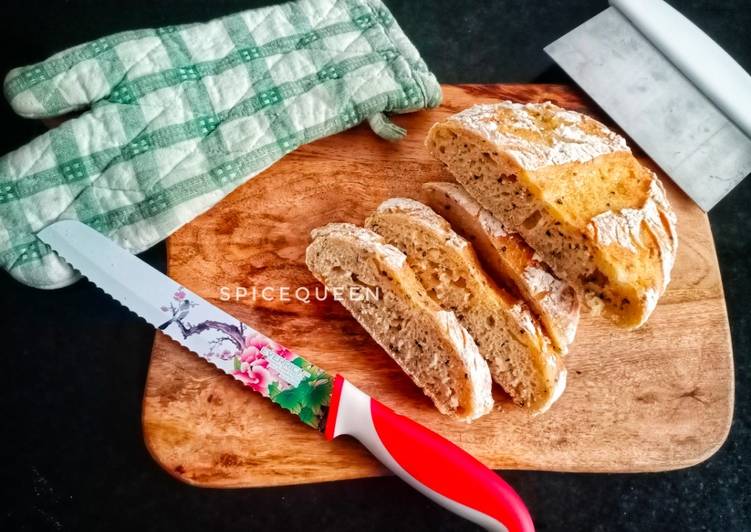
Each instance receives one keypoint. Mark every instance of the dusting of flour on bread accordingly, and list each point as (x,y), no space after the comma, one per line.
(573,137)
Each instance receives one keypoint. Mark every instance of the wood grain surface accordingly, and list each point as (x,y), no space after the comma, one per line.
(655,399)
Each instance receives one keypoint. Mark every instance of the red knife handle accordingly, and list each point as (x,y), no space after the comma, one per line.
(426,461)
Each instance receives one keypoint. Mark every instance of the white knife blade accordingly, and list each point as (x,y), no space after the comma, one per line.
(232,346)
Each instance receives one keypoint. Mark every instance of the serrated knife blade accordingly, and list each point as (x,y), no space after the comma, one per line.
(229,344)
(426,461)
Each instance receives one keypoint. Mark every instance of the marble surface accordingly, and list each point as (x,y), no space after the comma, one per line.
(74,362)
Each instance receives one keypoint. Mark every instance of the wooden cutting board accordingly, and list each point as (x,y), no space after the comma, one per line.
(655,399)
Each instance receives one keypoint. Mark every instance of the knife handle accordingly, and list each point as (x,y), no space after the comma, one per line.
(426,461)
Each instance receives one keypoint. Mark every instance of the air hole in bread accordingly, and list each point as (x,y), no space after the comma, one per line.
(532,220)
(596,278)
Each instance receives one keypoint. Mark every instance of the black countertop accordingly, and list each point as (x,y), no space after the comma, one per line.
(74,362)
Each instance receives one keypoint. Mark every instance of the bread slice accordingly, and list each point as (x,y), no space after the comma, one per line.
(381,291)
(576,194)
(520,357)
(510,261)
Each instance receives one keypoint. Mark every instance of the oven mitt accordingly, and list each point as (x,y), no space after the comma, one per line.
(179,116)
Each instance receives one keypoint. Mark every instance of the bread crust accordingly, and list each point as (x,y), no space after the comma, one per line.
(510,261)
(428,343)
(575,192)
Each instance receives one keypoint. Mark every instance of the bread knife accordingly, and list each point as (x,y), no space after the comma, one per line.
(426,461)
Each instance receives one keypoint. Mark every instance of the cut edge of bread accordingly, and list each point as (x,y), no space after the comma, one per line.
(510,261)
(520,356)
(429,344)
(606,228)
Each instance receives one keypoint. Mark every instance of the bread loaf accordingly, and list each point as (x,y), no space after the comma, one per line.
(510,261)
(520,357)
(574,191)
(428,343)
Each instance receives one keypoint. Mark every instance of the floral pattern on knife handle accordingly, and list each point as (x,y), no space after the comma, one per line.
(261,364)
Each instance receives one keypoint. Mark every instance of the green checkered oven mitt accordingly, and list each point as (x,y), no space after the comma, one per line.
(182,115)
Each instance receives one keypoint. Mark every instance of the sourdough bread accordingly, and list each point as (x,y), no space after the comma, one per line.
(574,191)
(520,357)
(510,261)
(428,343)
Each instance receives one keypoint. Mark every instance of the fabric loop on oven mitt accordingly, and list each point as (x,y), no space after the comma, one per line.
(178,117)
(385,128)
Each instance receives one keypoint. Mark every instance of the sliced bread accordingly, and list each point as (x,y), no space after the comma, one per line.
(520,357)
(576,194)
(510,261)
(377,286)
